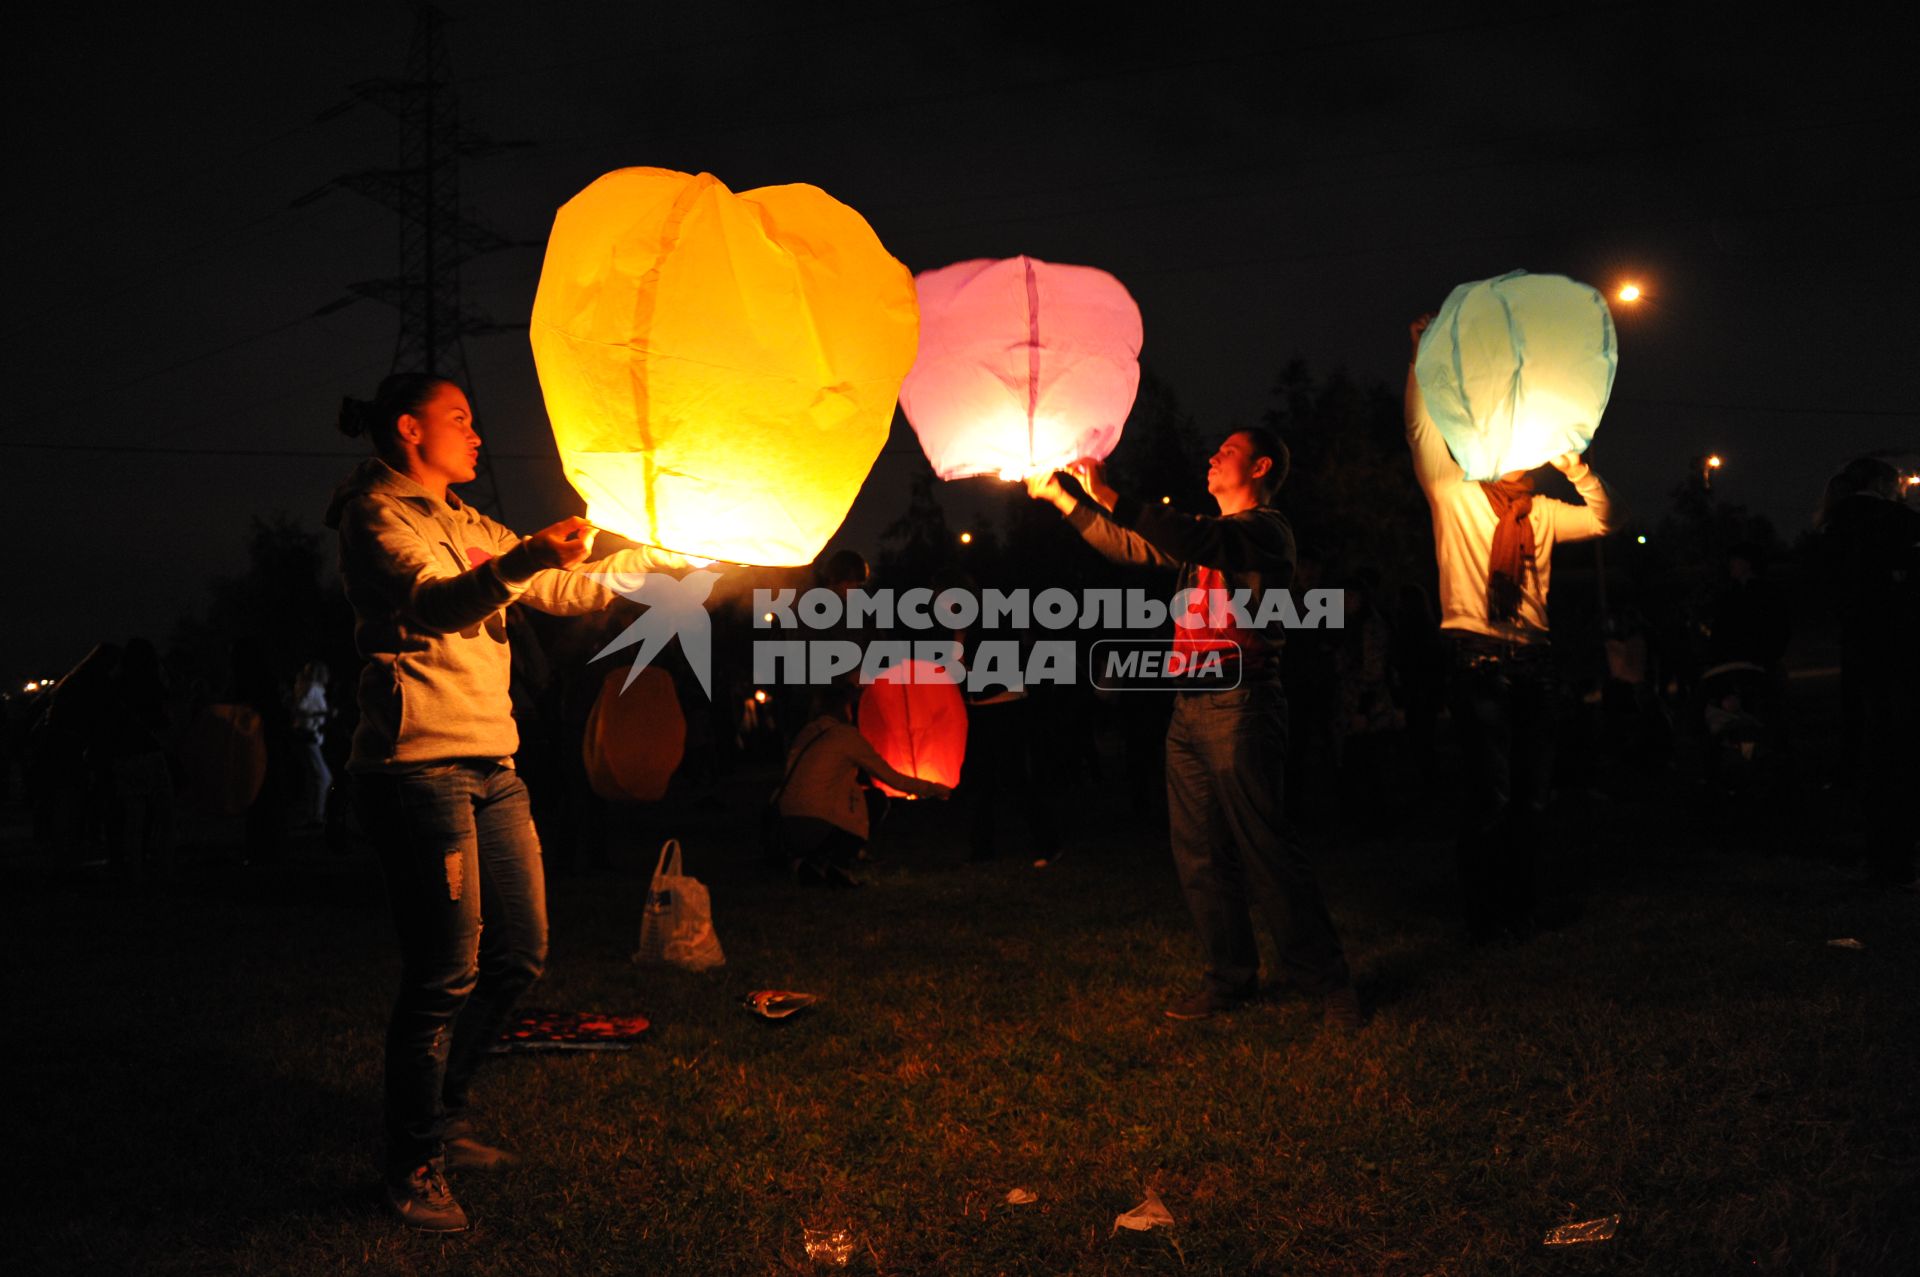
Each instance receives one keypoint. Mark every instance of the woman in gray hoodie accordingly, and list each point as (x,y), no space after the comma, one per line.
(430,579)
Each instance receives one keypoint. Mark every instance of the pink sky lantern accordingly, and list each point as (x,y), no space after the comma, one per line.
(915,717)
(1024,366)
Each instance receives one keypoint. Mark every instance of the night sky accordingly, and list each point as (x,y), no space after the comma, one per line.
(1281,187)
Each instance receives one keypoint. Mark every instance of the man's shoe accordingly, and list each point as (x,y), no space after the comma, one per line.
(423,1201)
(1204,1003)
(1340,1010)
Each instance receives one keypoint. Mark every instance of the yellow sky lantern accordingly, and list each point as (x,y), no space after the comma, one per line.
(720,369)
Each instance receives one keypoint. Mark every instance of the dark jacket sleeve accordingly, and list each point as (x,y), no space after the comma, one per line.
(1257,540)
(1098,529)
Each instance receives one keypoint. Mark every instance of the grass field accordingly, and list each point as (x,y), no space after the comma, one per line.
(195,1071)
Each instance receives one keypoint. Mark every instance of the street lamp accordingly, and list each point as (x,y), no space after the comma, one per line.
(966,538)
(1708,465)
(1628,293)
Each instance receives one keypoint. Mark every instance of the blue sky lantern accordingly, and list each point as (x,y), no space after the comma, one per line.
(1516,370)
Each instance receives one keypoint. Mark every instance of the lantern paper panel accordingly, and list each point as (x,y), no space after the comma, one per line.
(635,738)
(1025,366)
(720,369)
(1517,370)
(915,717)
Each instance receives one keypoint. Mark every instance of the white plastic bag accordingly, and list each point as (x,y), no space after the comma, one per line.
(677,927)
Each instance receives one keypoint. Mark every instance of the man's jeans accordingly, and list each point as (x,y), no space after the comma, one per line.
(458,846)
(1226,768)
(1503,698)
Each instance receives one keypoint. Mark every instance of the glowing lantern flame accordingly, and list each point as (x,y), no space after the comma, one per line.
(1024,366)
(1517,370)
(720,369)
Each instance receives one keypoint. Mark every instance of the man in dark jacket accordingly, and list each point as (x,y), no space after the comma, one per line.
(1226,750)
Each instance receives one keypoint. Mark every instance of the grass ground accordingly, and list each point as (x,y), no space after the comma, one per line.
(194,1069)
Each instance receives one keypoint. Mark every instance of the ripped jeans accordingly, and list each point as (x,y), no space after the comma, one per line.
(458,846)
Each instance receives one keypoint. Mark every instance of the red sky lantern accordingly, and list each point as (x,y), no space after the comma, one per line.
(915,716)
(1024,366)
(635,738)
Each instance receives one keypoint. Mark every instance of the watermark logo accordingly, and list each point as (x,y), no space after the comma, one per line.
(675,609)
(1140,665)
(1216,634)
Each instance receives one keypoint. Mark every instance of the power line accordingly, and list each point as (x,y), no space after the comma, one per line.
(1780,409)
(1439,170)
(902,103)
(662,52)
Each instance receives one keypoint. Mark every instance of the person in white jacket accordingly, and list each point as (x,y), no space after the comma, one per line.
(310,715)
(430,579)
(1494,542)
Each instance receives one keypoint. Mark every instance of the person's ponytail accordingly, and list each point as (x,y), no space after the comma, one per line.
(401,394)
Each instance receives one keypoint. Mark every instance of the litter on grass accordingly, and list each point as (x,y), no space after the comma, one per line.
(1587,1230)
(1148,1214)
(569,1031)
(1021,1197)
(777,1004)
(831,1245)
(1848,943)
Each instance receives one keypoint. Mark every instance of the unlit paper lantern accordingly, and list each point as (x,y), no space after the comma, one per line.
(916,718)
(720,369)
(635,737)
(226,758)
(1024,366)
(1517,370)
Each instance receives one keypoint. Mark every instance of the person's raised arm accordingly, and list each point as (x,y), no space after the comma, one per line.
(1571,522)
(1095,526)
(382,548)
(1260,541)
(575,588)
(1433,464)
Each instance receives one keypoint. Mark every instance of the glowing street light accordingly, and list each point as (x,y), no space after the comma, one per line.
(1166,500)
(1708,465)
(1642,538)
(760,696)
(966,538)
(1629,293)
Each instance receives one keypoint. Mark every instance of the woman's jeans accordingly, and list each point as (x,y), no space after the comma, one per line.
(459,849)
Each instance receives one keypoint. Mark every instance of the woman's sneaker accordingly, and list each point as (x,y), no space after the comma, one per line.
(466,1151)
(423,1201)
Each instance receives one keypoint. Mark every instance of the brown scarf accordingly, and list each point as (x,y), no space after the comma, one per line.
(1512,501)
